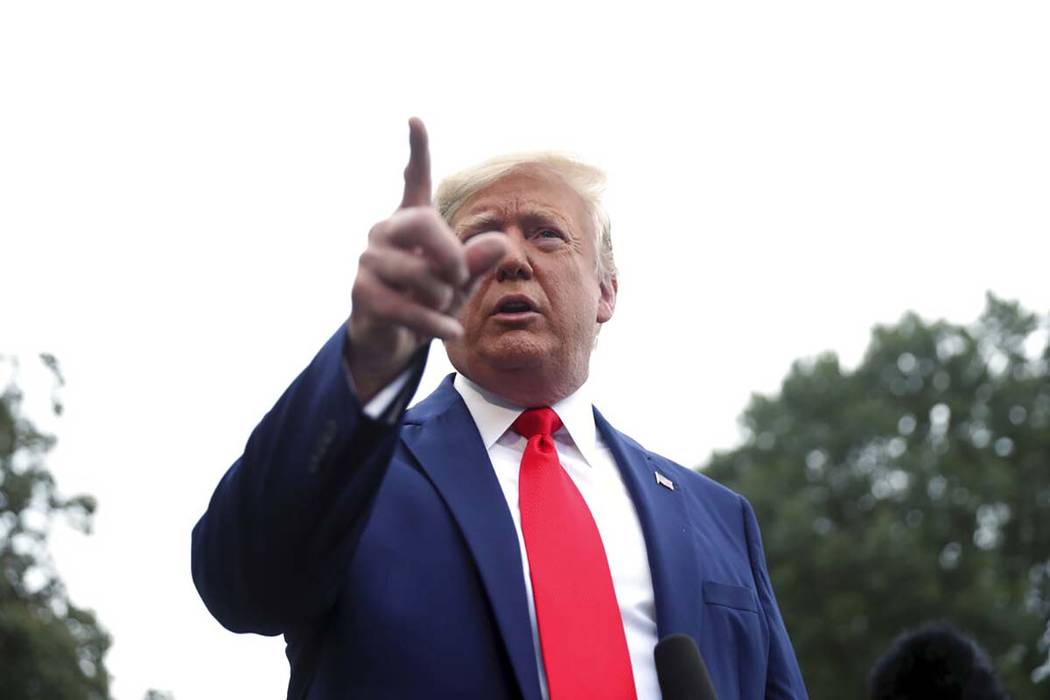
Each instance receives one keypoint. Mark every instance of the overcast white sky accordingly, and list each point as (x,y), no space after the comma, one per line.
(185,188)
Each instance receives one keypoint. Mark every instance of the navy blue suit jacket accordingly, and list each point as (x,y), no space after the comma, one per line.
(387,557)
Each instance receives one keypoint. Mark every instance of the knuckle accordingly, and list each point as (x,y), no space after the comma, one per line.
(429,215)
(425,217)
(363,287)
(360,300)
(415,216)
(368,258)
(377,230)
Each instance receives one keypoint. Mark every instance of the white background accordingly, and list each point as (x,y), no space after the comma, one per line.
(185,188)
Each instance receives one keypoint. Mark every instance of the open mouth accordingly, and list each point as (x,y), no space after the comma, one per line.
(515,306)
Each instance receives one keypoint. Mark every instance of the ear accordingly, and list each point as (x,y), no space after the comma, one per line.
(607,287)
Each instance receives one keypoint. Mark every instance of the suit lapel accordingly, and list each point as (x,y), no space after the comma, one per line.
(442,436)
(668,531)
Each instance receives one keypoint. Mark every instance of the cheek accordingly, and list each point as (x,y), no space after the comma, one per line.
(576,290)
(471,315)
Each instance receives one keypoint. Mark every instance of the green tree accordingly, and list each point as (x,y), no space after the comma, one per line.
(915,487)
(49,648)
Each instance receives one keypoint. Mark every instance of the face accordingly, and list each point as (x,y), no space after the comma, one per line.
(536,314)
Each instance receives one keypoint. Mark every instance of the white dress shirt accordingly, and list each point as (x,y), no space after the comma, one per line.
(592,468)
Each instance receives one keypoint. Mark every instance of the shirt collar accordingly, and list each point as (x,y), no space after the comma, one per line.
(494,415)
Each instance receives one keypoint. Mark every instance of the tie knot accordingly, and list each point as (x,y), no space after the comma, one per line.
(537,421)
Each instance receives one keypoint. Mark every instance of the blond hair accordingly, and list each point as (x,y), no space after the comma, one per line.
(585,180)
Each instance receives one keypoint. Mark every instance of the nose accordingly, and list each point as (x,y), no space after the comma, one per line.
(515,264)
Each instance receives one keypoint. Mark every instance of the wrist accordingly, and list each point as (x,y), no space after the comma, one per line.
(373,361)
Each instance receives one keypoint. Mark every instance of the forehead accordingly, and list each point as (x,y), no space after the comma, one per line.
(526,191)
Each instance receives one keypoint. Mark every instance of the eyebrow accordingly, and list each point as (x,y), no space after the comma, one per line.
(485,221)
(543,214)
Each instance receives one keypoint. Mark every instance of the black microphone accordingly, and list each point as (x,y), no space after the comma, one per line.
(681,670)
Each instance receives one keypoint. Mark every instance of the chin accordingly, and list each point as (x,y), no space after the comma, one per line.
(517,350)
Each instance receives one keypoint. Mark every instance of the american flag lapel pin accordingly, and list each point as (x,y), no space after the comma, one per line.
(664,481)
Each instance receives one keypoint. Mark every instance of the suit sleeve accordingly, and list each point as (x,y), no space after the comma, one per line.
(268,553)
(783,677)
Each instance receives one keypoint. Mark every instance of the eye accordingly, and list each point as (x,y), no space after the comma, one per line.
(549,233)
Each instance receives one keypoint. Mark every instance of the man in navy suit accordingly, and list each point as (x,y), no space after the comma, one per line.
(499,539)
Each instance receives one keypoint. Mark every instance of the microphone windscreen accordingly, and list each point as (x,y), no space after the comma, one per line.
(681,670)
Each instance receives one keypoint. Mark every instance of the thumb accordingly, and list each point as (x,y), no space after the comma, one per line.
(482,252)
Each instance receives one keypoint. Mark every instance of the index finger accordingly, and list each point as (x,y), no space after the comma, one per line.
(417,172)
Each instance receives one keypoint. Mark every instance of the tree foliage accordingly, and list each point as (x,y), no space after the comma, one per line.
(49,648)
(915,487)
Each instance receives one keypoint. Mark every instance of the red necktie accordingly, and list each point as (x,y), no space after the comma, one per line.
(581,633)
